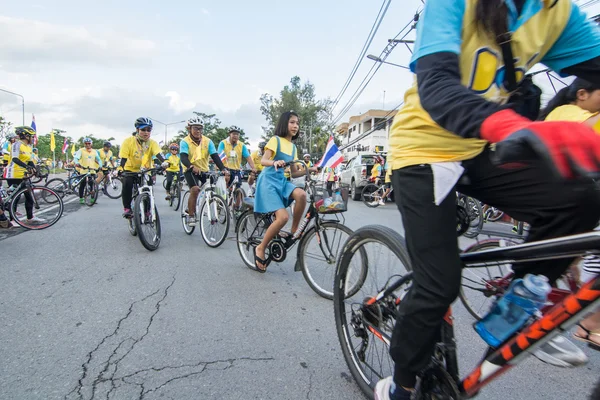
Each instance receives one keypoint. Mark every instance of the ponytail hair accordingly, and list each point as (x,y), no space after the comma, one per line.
(567,95)
(491,16)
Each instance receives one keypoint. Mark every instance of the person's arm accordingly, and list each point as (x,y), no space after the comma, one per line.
(123,162)
(77,157)
(99,160)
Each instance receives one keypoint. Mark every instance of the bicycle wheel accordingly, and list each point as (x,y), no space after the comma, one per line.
(176,201)
(214,227)
(57,185)
(90,192)
(480,286)
(165,183)
(113,187)
(364,325)
(371,194)
(317,267)
(147,226)
(46,213)
(249,233)
(237,203)
(186,228)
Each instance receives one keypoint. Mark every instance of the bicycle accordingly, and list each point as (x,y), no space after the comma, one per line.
(14,202)
(369,318)
(74,179)
(41,173)
(212,206)
(145,213)
(111,185)
(175,190)
(235,198)
(328,233)
(373,193)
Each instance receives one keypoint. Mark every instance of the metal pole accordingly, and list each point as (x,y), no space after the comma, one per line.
(384,99)
(22,101)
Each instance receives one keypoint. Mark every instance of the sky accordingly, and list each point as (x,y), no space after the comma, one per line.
(94,67)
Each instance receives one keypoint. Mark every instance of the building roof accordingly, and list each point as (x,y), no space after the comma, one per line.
(372,114)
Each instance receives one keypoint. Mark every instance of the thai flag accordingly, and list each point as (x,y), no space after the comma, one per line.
(332,156)
(34,141)
(65,146)
(223,156)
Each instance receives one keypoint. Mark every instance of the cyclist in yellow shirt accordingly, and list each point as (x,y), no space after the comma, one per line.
(174,166)
(233,151)
(10,139)
(86,158)
(108,160)
(136,153)
(256,157)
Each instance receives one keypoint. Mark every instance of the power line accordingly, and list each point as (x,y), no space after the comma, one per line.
(374,28)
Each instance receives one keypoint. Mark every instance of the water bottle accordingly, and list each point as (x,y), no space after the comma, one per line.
(508,314)
(337,197)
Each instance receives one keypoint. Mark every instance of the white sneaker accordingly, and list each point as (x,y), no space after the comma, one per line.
(561,353)
(35,219)
(382,388)
(381,203)
(191,221)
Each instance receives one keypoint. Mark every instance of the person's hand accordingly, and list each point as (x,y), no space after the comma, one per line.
(226,172)
(165,165)
(278,164)
(195,170)
(571,149)
(78,165)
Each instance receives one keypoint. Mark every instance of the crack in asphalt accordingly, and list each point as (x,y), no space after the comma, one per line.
(100,377)
(310,375)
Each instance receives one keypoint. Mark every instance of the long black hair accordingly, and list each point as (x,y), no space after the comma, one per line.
(492,17)
(281,129)
(567,95)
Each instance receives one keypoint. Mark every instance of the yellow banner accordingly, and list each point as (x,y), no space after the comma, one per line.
(52,142)
(73,150)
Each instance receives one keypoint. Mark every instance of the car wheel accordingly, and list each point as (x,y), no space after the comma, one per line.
(354,193)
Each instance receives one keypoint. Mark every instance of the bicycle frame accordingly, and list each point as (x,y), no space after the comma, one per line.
(145,187)
(559,318)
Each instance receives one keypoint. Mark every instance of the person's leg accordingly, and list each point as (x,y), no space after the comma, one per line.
(127,193)
(192,181)
(299,197)
(430,232)
(330,188)
(82,189)
(281,218)
(170,176)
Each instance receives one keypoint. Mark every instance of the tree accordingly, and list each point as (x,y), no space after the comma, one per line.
(314,114)
(4,129)
(212,129)
(44,151)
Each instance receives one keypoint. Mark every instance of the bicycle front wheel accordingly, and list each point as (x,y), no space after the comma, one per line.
(371,195)
(237,203)
(184,213)
(113,188)
(318,255)
(373,257)
(146,224)
(214,221)
(46,206)
(90,192)
(176,196)
(57,185)
(249,232)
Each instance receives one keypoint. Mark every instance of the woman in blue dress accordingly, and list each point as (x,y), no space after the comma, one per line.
(273,191)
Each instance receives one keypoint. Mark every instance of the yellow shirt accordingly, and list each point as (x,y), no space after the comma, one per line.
(416,139)
(138,155)
(198,154)
(21,151)
(570,112)
(256,157)
(285,147)
(376,171)
(106,157)
(234,154)
(173,160)
(87,159)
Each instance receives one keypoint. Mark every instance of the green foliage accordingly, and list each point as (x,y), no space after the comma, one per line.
(212,130)
(44,151)
(5,128)
(314,114)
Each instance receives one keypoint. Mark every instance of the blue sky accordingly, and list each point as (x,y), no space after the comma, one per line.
(93,67)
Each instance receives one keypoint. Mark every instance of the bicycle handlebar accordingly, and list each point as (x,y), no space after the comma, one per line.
(142,171)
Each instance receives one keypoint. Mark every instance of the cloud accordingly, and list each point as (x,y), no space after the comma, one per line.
(204,11)
(43,44)
(177,104)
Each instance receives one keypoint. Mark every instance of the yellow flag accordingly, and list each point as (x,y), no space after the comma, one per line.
(52,142)
(73,150)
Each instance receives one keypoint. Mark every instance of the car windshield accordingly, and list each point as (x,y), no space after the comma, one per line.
(368,160)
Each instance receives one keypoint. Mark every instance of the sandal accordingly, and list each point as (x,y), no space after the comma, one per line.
(592,344)
(265,263)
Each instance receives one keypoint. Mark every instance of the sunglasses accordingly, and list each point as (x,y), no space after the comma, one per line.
(198,128)
(146,130)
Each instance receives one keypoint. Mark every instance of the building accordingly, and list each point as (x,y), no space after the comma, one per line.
(376,122)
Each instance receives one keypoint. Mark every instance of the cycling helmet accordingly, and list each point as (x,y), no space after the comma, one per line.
(195,121)
(34,149)
(107,144)
(24,131)
(262,145)
(11,136)
(306,155)
(87,140)
(234,128)
(173,146)
(143,122)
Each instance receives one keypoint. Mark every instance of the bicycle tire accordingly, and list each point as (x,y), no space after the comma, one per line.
(177,202)
(238,194)
(304,265)
(479,311)
(131,227)
(245,244)
(117,182)
(45,193)
(58,185)
(137,217)
(165,183)
(369,190)
(363,375)
(219,202)
(186,228)
(90,194)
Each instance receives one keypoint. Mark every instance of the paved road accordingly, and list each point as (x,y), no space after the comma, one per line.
(88,313)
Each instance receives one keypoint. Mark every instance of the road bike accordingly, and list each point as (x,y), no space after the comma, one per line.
(146,221)
(373,193)
(71,184)
(175,190)
(111,184)
(365,318)
(320,240)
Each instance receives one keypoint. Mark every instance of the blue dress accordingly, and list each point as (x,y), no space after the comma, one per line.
(273,190)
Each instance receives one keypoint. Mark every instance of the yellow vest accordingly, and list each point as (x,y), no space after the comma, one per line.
(173,161)
(234,154)
(416,139)
(257,158)
(105,157)
(198,154)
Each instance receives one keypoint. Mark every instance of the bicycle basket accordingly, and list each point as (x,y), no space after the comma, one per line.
(336,202)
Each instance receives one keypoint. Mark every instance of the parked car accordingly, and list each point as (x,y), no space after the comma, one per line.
(356,173)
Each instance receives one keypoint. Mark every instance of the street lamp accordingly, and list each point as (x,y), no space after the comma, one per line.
(22,101)
(378,59)
(170,123)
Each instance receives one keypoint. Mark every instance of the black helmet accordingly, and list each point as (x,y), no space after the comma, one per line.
(24,131)
(262,145)
(143,122)
(107,144)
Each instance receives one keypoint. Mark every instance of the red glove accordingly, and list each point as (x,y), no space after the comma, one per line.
(571,148)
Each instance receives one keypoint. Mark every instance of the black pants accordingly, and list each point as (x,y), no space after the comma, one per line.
(552,207)
(88,181)
(193,179)
(28,197)
(128,182)
(170,176)
(330,188)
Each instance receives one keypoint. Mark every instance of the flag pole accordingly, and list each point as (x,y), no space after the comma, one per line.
(54,162)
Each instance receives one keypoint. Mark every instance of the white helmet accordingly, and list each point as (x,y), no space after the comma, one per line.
(195,121)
